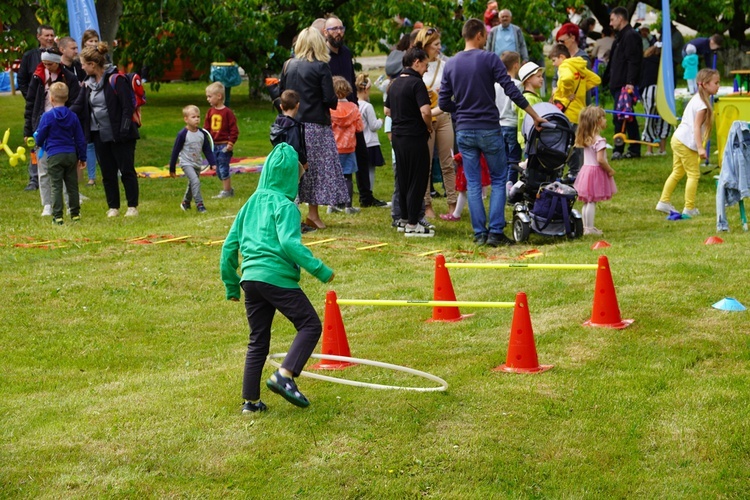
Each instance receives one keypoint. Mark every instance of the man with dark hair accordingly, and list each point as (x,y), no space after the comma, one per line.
(468,92)
(29,63)
(69,50)
(706,47)
(624,72)
(341,64)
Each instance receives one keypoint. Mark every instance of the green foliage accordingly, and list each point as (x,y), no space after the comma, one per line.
(15,41)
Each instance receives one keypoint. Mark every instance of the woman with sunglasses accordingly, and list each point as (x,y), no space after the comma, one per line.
(442,135)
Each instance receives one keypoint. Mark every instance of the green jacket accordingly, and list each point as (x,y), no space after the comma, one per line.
(533,98)
(267,231)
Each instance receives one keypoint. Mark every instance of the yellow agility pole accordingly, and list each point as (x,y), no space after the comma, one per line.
(368,247)
(424,303)
(179,238)
(319,242)
(425,254)
(516,265)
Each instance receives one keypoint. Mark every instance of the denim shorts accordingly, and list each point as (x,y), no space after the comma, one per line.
(222,161)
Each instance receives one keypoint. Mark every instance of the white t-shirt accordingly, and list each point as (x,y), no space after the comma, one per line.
(508,110)
(685,132)
(433,76)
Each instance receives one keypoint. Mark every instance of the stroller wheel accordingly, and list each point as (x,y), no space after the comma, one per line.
(522,229)
(577,227)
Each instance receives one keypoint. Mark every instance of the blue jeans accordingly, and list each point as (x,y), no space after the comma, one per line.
(512,150)
(490,142)
(222,161)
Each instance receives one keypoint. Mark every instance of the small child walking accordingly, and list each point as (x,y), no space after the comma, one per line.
(61,136)
(687,144)
(690,66)
(371,123)
(595,181)
(287,129)
(222,125)
(188,146)
(267,233)
(346,121)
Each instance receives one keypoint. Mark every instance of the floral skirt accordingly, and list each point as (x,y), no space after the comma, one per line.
(323,183)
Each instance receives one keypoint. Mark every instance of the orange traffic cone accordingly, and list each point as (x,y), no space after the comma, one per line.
(522,356)
(606,312)
(334,336)
(443,290)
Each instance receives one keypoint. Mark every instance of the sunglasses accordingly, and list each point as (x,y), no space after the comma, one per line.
(336,28)
(432,31)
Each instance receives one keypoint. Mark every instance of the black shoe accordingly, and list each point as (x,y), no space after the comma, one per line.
(630,156)
(616,156)
(307,229)
(287,389)
(480,239)
(31,187)
(249,407)
(75,218)
(436,194)
(498,239)
(57,221)
(373,203)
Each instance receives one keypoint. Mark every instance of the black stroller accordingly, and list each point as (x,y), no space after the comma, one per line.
(540,202)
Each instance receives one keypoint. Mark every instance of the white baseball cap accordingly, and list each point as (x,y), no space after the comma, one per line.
(528,70)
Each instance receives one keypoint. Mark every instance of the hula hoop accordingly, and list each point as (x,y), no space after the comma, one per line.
(443,384)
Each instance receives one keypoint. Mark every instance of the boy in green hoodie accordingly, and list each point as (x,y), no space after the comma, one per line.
(267,234)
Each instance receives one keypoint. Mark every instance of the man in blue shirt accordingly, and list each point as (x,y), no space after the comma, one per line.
(507,36)
(468,92)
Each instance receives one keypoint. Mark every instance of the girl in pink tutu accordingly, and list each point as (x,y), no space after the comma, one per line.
(595,180)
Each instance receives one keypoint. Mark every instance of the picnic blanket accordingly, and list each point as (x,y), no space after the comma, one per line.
(240,165)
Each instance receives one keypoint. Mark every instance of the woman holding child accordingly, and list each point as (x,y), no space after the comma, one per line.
(105,109)
(428,39)
(308,73)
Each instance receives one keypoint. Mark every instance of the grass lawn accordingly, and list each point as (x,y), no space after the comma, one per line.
(122,362)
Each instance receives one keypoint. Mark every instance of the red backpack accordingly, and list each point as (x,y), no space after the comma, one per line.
(138,92)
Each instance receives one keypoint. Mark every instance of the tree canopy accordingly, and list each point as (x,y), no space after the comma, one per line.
(258,34)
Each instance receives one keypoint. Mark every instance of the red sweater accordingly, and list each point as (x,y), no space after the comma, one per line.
(222,125)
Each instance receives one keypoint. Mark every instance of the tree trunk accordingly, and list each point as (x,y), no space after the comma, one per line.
(109,13)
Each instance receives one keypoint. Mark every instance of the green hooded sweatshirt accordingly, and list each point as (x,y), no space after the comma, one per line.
(267,231)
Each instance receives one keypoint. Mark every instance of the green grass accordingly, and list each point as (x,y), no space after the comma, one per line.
(122,363)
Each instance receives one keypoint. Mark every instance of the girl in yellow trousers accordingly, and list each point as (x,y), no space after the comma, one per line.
(688,144)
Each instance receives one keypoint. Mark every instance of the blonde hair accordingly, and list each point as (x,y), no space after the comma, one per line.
(341,87)
(702,78)
(311,46)
(216,88)
(96,55)
(58,92)
(362,82)
(426,36)
(190,108)
(589,126)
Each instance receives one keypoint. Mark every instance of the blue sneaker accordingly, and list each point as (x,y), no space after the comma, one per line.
(249,407)
(287,389)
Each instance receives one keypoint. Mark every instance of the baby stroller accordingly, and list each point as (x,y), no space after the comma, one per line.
(540,202)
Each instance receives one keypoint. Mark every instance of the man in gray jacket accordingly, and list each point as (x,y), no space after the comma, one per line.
(507,36)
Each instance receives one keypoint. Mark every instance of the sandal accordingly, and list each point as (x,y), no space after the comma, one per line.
(91,182)
(316,224)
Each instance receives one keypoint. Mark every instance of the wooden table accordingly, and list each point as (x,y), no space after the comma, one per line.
(744,76)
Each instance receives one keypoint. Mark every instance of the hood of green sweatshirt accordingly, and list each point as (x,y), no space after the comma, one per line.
(281,171)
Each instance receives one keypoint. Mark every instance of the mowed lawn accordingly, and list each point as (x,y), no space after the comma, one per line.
(122,361)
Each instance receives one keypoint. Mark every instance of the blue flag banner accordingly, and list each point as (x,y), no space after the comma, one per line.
(665,83)
(82,17)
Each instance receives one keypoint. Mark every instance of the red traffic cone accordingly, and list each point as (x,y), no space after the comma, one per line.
(443,290)
(713,240)
(600,244)
(334,336)
(522,356)
(606,312)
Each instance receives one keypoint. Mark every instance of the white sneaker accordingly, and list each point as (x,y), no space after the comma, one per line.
(691,212)
(113,212)
(333,209)
(418,230)
(82,198)
(592,230)
(351,210)
(665,207)
(132,212)
(47,211)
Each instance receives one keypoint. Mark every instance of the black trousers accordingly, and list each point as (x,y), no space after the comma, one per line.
(363,171)
(117,157)
(262,300)
(631,130)
(412,173)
